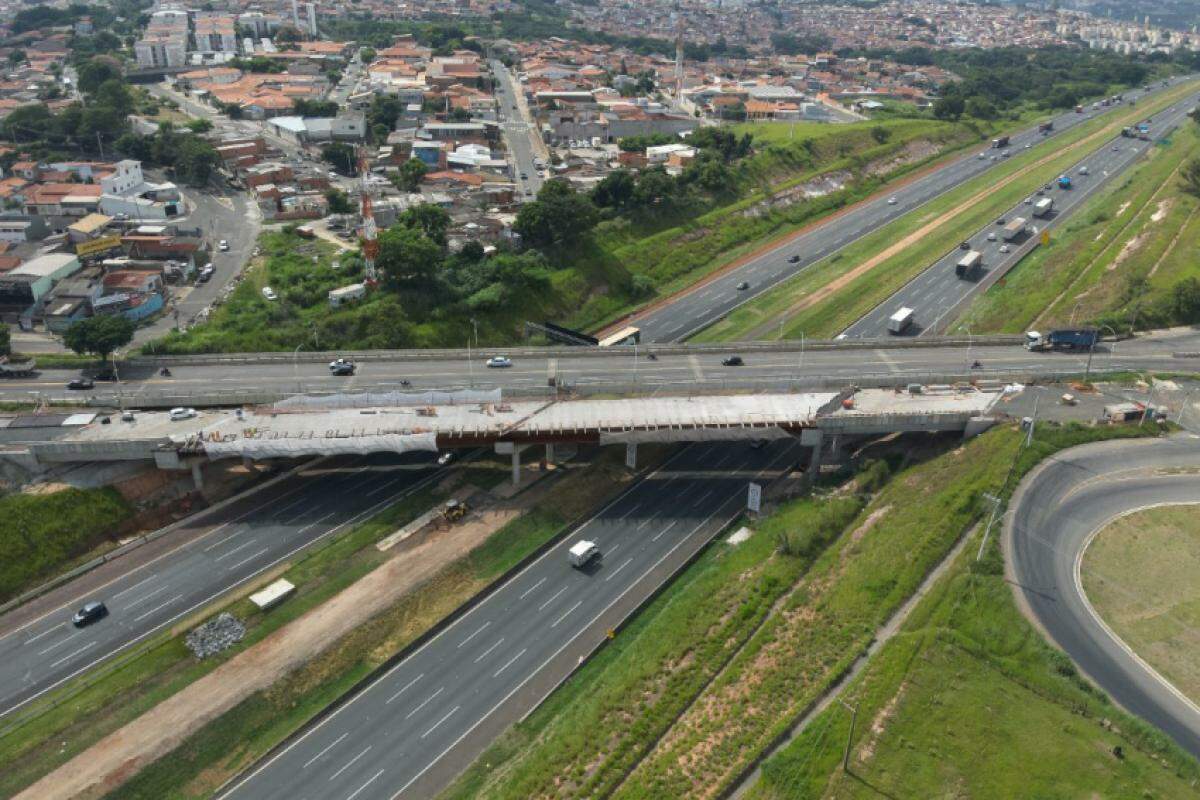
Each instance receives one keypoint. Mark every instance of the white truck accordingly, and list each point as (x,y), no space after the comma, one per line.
(583,553)
(967,264)
(1043,207)
(899,322)
(1014,229)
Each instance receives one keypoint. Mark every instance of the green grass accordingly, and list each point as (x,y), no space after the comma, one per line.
(234,740)
(1088,270)
(1139,574)
(968,700)
(826,318)
(42,535)
(95,704)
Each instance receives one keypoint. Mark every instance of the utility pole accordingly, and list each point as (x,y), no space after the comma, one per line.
(995,501)
(100,144)
(853,709)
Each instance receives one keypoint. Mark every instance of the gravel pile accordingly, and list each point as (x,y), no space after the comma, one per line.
(219,633)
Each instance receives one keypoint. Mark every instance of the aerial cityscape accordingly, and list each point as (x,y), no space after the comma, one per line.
(557,399)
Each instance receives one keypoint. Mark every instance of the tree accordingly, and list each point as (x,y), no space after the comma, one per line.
(431,220)
(615,190)
(339,202)
(408,259)
(288,34)
(1190,175)
(980,107)
(949,108)
(17,57)
(340,155)
(96,71)
(1185,301)
(409,177)
(199,125)
(366,55)
(99,335)
(5,341)
(880,134)
(559,216)
(315,108)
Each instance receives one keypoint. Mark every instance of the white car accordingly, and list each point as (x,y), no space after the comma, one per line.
(177,414)
(991,236)
(892,201)
(269,293)
(1003,248)
(223,246)
(499,361)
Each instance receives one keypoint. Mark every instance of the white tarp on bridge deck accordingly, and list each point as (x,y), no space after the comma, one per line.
(320,446)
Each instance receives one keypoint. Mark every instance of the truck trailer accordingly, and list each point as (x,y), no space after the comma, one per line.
(900,321)
(1046,127)
(1000,141)
(1062,339)
(967,264)
(1014,229)
(1043,207)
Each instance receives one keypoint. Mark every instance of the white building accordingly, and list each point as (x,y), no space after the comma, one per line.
(125,180)
(165,41)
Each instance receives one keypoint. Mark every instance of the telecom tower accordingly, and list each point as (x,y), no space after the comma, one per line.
(370,235)
(678,55)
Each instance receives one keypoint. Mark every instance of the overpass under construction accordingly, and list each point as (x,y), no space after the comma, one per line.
(437,421)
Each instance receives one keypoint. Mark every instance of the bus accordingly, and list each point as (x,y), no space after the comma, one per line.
(629,335)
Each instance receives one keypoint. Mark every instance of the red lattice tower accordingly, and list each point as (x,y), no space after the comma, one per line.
(370,234)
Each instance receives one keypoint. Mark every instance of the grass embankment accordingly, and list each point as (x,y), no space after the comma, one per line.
(772,202)
(231,742)
(88,708)
(1125,250)
(969,700)
(1140,575)
(827,297)
(43,535)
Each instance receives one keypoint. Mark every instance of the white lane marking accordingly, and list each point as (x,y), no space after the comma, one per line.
(566,613)
(158,608)
(279,513)
(325,750)
(60,643)
(350,763)
(242,546)
(449,714)
(355,793)
(531,589)
(318,522)
(405,688)
(630,511)
(646,522)
(217,544)
(146,597)
(44,634)
(509,663)
(488,652)
(613,574)
(384,486)
(72,655)
(248,558)
(425,702)
(136,585)
(542,607)
(481,629)
(658,535)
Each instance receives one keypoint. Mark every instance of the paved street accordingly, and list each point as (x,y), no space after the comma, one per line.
(520,131)
(1050,522)
(234,544)
(421,722)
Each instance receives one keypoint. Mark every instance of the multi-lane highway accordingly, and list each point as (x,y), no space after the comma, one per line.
(678,367)
(708,302)
(937,292)
(415,727)
(40,649)
(1054,515)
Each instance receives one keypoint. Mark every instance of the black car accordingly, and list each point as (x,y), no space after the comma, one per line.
(1001,221)
(964,245)
(343,368)
(793,259)
(733,361)
(105,375)
(82,383)
(91,612)
(743,286)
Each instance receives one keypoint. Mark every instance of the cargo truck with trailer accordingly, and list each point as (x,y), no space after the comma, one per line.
(1000,141)
(967,265)
(1014,229)
(1043,207)
(1062,339)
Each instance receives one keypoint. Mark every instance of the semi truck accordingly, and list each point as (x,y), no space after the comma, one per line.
(1127,132)
(1014,229)
(1062,339)
(1046,127)
(1043,207)
(16,369)
(900,321)
(967,264)
(1064,181)
(1000,141)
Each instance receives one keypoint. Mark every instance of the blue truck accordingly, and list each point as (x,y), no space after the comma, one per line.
(1064,181)
(1062,339)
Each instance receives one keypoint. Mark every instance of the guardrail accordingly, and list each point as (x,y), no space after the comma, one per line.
(559,351)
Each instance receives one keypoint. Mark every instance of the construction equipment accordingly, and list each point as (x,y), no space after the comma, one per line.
(454,510)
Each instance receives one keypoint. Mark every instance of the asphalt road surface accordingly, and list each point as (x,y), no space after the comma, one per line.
(1051,520)
(705,304)
(520,133)
(620,367)
(938,291)
(237,543)
(411,730)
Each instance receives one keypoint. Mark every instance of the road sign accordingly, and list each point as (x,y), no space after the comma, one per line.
(754,498)
(1045,237)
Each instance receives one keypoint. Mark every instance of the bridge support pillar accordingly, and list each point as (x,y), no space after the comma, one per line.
(815,439)
(516,463)
(835,446)
(197,475)
(549,452)
(631,455)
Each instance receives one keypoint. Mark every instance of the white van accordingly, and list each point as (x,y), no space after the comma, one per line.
(582,553)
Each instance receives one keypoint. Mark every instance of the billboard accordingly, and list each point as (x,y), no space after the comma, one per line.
(96,246)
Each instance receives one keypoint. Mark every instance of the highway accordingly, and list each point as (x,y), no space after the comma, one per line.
(39,648)
(1052,518)
(937,293)
(412,729)
(704,304)
(677,368)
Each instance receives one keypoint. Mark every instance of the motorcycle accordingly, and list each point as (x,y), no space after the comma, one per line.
(164,372)
(651,357)
(976,365)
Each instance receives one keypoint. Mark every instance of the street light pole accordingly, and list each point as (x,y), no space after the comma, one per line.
(296,366)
